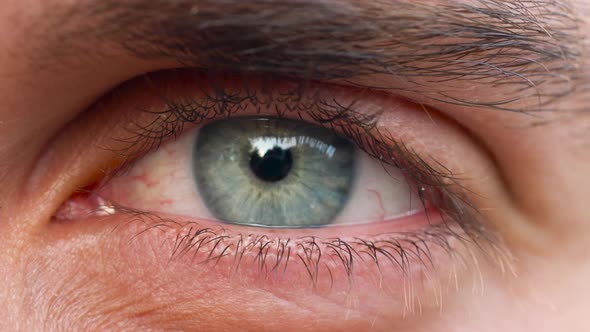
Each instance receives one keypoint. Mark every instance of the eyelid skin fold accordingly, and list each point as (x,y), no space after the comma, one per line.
(391,257)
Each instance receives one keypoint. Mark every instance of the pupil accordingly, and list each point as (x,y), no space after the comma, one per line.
(273,166)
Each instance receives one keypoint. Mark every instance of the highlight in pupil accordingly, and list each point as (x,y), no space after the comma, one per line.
(272,166)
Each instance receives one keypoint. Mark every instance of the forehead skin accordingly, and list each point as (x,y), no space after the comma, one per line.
(521,90)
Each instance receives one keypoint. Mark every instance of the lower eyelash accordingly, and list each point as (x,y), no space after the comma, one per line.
(404,252)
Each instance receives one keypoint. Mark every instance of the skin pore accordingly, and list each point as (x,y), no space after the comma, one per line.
(482,104)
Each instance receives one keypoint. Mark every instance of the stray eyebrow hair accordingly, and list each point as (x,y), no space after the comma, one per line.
(531,47)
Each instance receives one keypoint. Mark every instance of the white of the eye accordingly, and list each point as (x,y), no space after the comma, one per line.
(380,193)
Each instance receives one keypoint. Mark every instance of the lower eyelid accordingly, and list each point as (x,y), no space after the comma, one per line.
(376,270)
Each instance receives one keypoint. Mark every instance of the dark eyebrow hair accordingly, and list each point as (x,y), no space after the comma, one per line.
(531,47)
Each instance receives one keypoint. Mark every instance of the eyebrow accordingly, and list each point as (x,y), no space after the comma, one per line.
(531,47)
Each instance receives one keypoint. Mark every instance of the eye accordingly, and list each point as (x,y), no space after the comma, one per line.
(304,185)
(265,172)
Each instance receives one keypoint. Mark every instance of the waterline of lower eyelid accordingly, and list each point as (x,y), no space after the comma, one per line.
(93,206)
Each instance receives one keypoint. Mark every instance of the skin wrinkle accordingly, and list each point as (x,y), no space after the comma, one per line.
(531,48)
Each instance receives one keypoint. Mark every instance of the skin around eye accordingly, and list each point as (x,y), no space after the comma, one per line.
(150,216)
(131,269)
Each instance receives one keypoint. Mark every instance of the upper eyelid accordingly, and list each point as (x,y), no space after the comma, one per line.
(215,100)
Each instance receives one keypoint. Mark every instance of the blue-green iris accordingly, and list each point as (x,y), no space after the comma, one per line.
(273,173)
